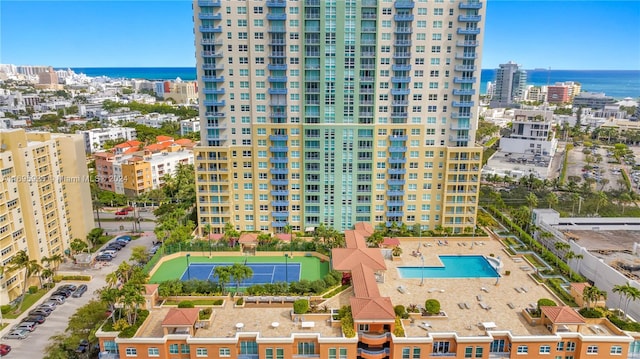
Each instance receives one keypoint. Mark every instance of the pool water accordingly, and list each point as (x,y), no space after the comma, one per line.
(454,267)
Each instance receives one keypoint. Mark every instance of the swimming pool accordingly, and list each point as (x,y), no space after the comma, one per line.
(454,267)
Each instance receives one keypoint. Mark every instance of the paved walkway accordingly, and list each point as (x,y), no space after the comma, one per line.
(34,346)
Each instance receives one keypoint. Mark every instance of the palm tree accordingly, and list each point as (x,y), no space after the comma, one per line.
(601,200)
(574,199)
(621,290)
(552,199)
(560,246)
(569,256)
(240,272)
(632,294)
(593,294)
(21,262)
(579,258)
(224,276)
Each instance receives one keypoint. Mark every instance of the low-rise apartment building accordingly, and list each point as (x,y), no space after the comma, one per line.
(133,169)
(45,200)
(95,139)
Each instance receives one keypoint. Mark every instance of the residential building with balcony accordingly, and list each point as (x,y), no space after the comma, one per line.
(336,112)
(510,85)
(95,139)
(532,132)
(44,199)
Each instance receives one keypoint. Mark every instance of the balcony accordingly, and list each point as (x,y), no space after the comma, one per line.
(278,137)
(280,203)
(404,4)
(395,203)
(212,3)
(400,102)
(459,138)
(470,5)
(462,104)
(277,79)
(369,3)
(277,54)
(211,42)
(217,67)
(209,16)
(280,42)
(368,42)
(279,182)
(368,29)
(397,160)
(214,29)
(396,182)
(279,159)
(402,43)
(464,92)
(461,126)
(214,103)
(277,91)
(469,18)
(398,138)
(395,192)
(368,66)
(466,55)
(403,17)
(280,214)
(277,67)
(279,171)
(277,29)
(397,171)
(400,80)
(395,214)
(276,225)
(370,16)
(278,115)
(371,353)
(311,16)
(279,149)
(207,91)
(276,3)
(397,149)
(465,68)
(213,78)
(468,43)
(399,115)
(403,30)
(280,193)
(401,91)
(464,80)
(401,67)
(279,16)
(468,31)
(460,115)
(214,114)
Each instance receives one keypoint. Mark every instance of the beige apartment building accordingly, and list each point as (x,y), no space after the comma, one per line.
(337,112)
(45,201)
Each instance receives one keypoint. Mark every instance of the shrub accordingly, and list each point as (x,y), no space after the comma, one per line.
(218,302)
(5,309)
(413,308)
(507,272)
(624,325)
(318,286)
(399,310)
(432,306)
(57,278)
(33,289)
(301,306)
(398,331)
(85,278)
(205,313)
(330,280)
(240,301)
(591,312)
(545,302)
(185,304)
(346,321)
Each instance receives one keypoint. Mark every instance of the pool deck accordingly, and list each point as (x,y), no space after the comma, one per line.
(497,295)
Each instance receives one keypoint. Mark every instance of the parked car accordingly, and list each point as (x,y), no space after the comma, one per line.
(124,238)
(30,326)
(111,252)
(4,349)
(128,209)
(83,346)
(122,213)
(117,244)
(35,318)
(154,249)
(17,334)
(41,311)
(71,287)
(80,291)
(104,258)
(48,305)
(122,242)
(62,291)
(59,299)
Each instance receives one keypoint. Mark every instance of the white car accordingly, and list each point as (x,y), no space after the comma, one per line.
(110,252)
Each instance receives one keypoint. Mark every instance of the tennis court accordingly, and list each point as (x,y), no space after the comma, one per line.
(263,273)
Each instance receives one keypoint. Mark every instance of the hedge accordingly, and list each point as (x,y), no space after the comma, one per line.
(86,278)
(301,306)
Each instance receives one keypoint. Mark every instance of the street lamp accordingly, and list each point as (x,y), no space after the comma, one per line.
(422,271)
(286,267)
(188,267)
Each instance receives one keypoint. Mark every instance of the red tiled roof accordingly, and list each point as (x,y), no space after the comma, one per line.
(150,288)
(346,258)
(103,154)
(562,315)
(365,228)
(215,236)
(364,282)
(354,239)
(163,138)
(156,147)
(181,317)
(132,143)
(579,287)
(248,238)
(285,237)
(391,242)
(131,150)
(379,308)
(184,142)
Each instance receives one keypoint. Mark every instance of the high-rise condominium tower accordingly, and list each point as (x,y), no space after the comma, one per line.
(338,111)
(510,86)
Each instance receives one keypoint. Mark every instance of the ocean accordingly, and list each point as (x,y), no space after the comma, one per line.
(615,83)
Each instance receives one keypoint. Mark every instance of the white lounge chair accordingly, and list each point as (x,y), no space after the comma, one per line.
(402,289)
(425,326)
(466,305)
(517,289)
(524,289)
(484,290)
(479,298)
(461,305)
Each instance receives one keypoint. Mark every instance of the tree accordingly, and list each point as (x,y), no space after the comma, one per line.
(21,262)
(601,200)
(224,276)
(621,290)
(593,294)
(78,245)
(139,254)
(552,199)
(240,272)
(375,239)
(95,236)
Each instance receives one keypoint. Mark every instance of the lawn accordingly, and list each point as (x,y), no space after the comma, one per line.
(311,267)
(29,300)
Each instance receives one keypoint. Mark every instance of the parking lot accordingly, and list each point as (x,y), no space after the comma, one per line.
(35,344)
(600,171)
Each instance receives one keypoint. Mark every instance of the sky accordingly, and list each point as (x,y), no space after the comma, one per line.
(581,35)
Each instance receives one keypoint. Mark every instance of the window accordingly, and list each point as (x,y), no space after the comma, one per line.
(406,352)
(224,352)
(468,352)
(545,349)
(560,346)
(592,349)
(131,352)
(268,353)
(616,350)
(185,349)
(306,348)
(522,349)
(416,353)
(201,352)
(173,348)
(571,346)
(153,352)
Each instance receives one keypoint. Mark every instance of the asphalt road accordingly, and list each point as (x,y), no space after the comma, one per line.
(35,345)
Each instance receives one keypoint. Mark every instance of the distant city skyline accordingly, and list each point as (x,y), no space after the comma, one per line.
(589,35)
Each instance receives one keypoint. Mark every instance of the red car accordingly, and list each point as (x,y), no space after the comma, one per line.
(4,349)
(122,213)
(127,209)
